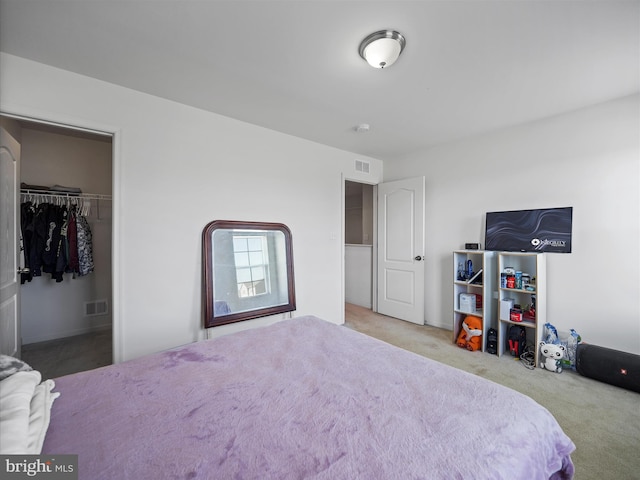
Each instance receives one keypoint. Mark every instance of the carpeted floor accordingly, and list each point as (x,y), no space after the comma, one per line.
(602,420)
(63,356)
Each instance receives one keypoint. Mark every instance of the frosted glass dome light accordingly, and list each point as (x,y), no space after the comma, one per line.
(381,49)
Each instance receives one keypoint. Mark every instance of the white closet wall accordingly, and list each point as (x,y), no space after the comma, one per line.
(54,310)
(359,239)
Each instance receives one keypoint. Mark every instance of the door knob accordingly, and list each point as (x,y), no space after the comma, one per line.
(23,270)
(418,257)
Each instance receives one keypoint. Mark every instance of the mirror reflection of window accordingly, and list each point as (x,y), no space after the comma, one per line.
(252,265)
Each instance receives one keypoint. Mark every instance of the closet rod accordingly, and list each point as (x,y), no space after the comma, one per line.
(69,195)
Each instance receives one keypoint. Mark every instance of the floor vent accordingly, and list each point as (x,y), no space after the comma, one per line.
(362,166)
(97,307)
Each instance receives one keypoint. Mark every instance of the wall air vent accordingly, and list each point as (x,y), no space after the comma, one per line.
(96,307)
(362,166)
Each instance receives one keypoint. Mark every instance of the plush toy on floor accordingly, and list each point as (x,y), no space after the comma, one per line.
(470,336)
(551,356)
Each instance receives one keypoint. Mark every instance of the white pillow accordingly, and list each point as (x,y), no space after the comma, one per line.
(16,393)
(40,414)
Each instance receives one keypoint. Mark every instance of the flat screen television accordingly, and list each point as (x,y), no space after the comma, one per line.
(542,230)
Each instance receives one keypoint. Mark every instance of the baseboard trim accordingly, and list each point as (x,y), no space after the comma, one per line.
(445,326)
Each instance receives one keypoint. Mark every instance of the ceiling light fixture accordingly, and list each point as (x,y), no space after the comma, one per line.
(381,49)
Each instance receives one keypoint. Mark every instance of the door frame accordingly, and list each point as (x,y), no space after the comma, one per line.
(75,123)
(374,244)
(374,260)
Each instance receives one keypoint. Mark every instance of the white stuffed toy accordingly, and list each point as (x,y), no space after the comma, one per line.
(551,356)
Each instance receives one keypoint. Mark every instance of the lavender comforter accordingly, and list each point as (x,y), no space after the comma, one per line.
(303,398)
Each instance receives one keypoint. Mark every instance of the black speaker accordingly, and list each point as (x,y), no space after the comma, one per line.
(617,368)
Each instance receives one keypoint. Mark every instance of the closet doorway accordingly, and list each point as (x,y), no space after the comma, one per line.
(359,249)
(65,320)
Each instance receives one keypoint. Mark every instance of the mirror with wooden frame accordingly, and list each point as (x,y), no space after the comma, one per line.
(248,271)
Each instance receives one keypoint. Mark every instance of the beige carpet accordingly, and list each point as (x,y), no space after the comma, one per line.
(602,420)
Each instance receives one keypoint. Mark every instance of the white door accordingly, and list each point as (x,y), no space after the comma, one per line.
(401,249)
(9,279)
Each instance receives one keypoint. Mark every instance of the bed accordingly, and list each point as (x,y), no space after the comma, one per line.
(303,398)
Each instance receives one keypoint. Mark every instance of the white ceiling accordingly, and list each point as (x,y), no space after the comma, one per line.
(293,66)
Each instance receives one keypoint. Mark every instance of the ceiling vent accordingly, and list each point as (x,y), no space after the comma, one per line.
(362,166)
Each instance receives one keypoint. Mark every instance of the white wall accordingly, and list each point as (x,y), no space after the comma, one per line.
(49,309)
(588,159)
(178,168)
(358,274)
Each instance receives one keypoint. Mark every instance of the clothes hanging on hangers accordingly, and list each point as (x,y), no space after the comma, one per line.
(72,237)
(56,240)
(27,212)
(51,261)
(85,245)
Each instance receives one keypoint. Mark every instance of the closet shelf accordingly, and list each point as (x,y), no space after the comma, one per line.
(64,195)
(83,201)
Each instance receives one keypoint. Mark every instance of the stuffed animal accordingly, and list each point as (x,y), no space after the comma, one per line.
(470,336)
(551,356)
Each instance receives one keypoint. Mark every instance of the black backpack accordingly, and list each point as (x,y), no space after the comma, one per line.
(516,340)
(492,341)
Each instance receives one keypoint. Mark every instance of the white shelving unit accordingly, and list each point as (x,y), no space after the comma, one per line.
(533,264)
(483,285)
